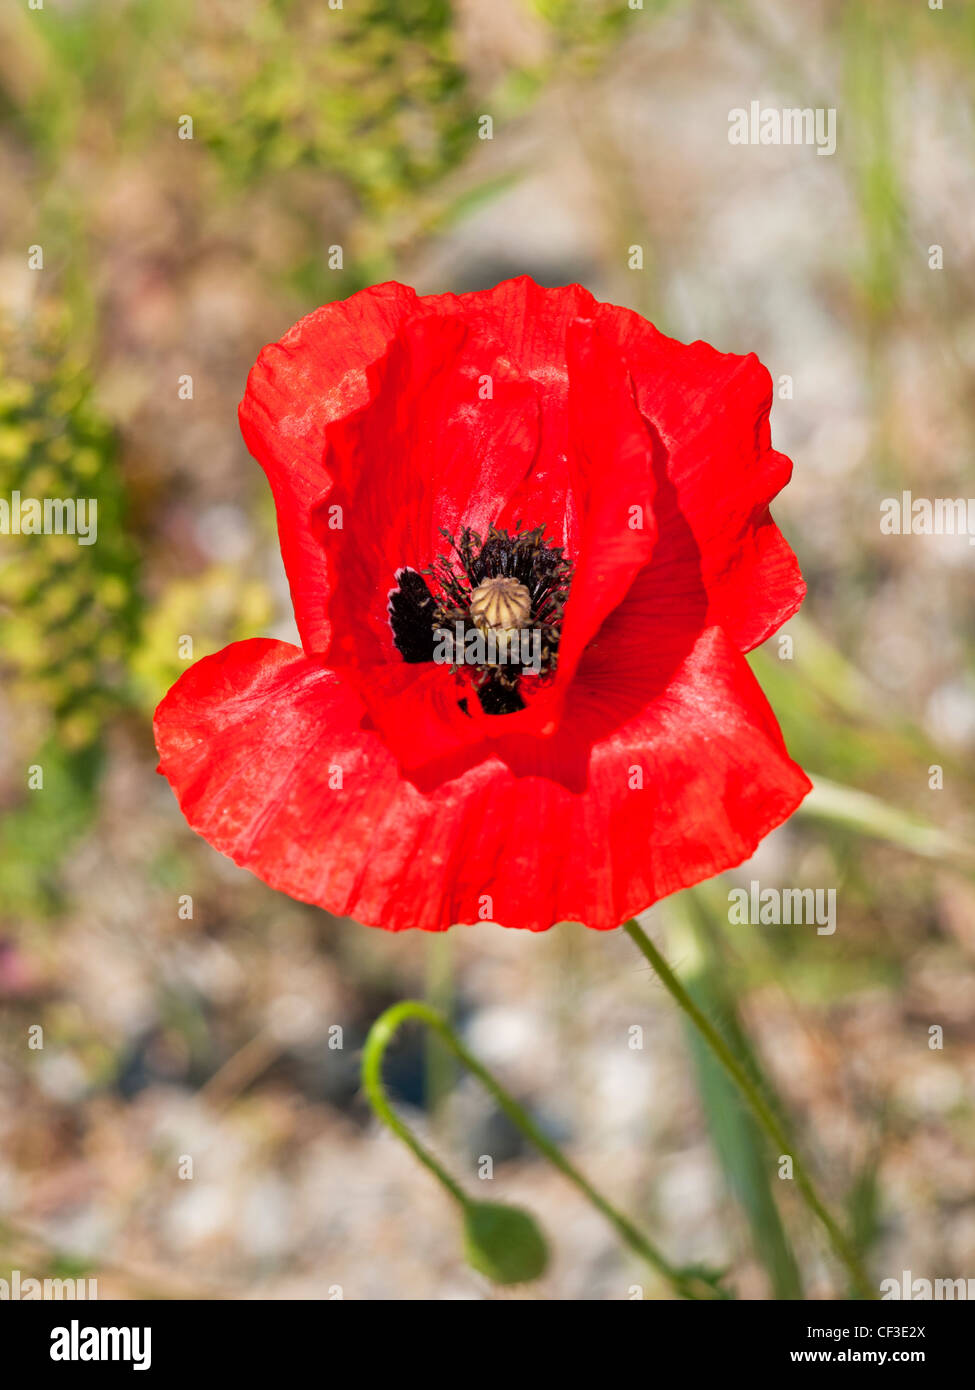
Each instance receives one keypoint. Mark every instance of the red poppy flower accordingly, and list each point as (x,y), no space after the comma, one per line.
(528,540)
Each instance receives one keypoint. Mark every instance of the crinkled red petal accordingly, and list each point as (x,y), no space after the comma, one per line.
(267,755)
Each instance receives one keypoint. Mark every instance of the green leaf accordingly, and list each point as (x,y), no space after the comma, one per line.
(863,812)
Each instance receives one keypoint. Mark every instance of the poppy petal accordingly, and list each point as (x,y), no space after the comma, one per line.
(613,485)
(266,752)
(444,441)
(531,320)
(711,410)
(316,374)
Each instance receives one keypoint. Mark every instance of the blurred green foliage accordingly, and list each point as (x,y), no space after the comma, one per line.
(213,608)
(373,95)
(69,612)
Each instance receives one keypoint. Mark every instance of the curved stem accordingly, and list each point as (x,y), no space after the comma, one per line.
(760,1107)
(686,1283)
(380,1036)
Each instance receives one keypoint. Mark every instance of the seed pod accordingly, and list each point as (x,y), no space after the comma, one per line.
(501,604)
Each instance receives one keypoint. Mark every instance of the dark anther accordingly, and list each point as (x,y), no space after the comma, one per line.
(411,617)
(498,698)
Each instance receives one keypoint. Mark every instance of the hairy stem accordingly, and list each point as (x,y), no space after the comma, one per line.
(759,1106)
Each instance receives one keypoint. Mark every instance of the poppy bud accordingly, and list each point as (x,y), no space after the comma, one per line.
(503,1242)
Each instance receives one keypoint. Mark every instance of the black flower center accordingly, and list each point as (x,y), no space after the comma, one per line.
(492,608)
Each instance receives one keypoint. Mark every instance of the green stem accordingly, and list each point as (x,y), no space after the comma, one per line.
(438,992)
(760,1107)
(380,1036)
(686,1283)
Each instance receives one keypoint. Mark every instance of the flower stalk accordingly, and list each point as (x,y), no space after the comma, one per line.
(758,1104)
(686,1283)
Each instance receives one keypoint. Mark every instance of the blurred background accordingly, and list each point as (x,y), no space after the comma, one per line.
(166,1035)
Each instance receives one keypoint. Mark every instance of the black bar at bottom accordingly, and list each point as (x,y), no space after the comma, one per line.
(164,1339)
